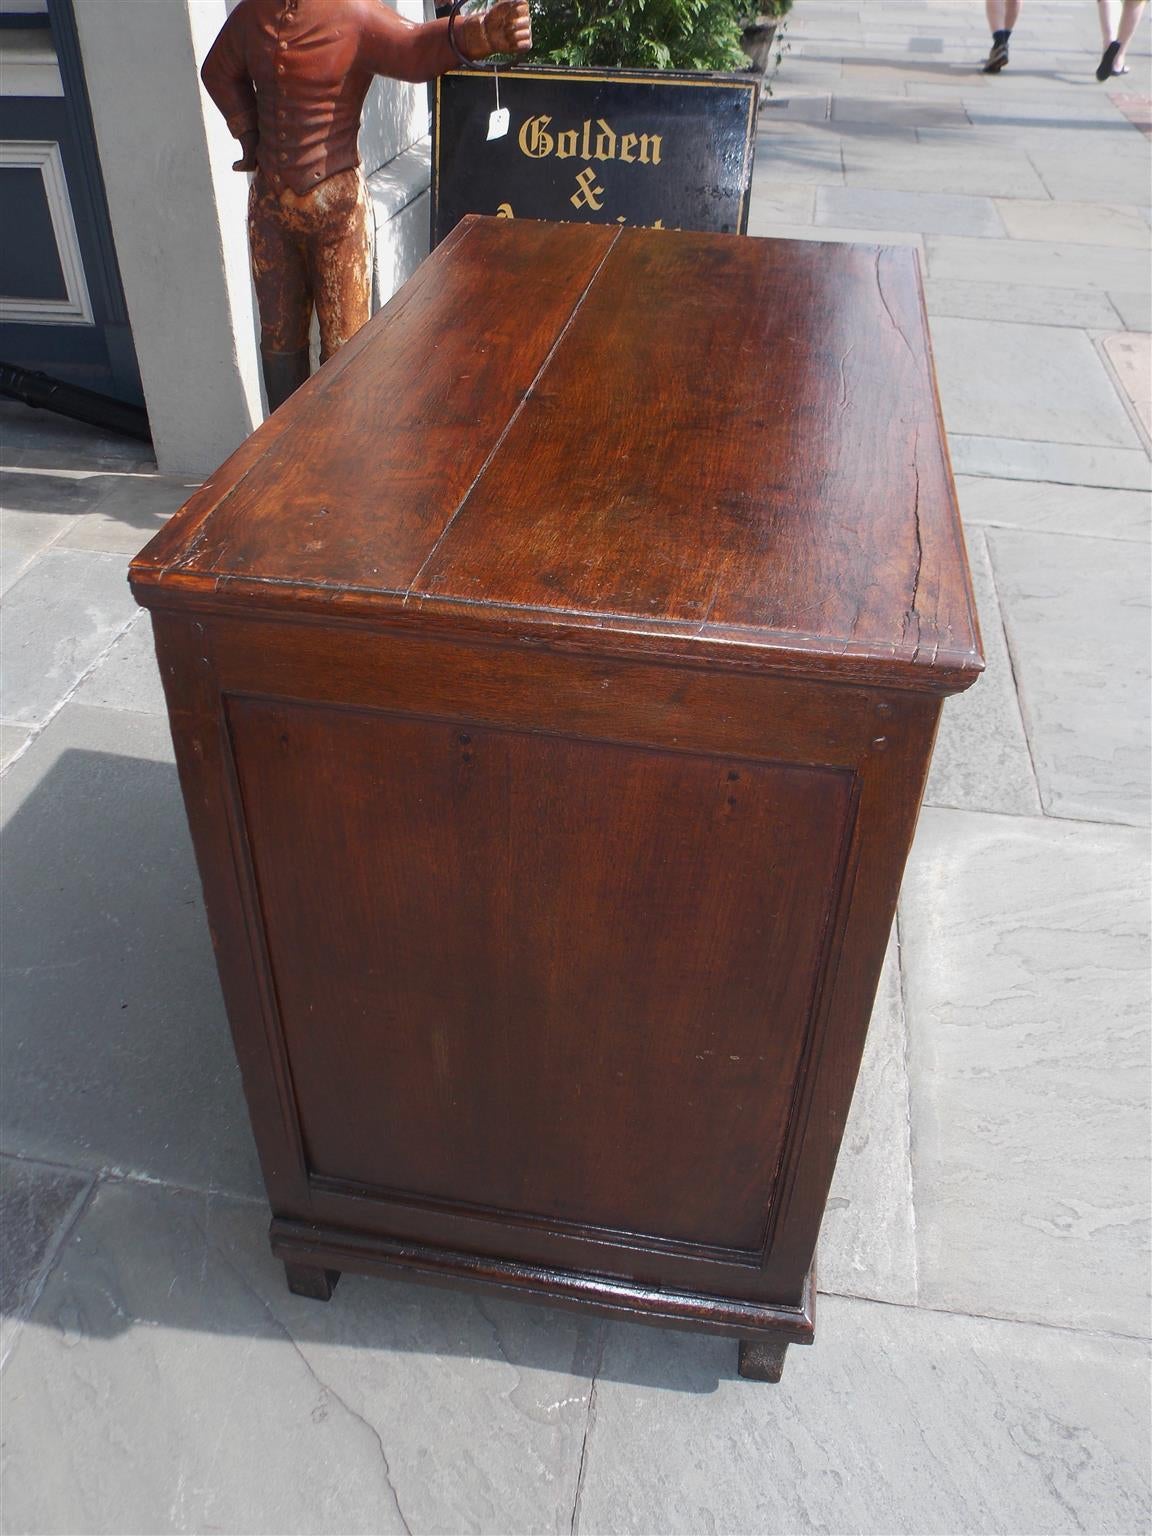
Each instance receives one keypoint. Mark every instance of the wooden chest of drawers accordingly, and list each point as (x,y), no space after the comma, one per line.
(553,683)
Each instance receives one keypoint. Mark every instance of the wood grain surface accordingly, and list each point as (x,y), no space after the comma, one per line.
(543,903)
(693,445)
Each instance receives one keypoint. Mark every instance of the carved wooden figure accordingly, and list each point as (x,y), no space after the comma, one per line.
(290,77)
(553,683)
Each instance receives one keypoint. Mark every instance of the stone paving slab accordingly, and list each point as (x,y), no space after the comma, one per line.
(868,1240)
(1104,180)
(982,761)
(1104,138)
(1044,90)
(38,1204)
(925,213)
(20,545)
(60,492)
(1038,127)
(34,512)
(788,204)
(60,616)
(1077,616)
(1134,309)
(811,75)
(1041,263)
(114,511)
(874,137)
(919,169)
(128,678)
(988,369)
(893,75)
(759,225)
(1026,983)
(1028,112)
(225,1403)
(781,157)
(1122,469)
(42,438)
(116,1052)
(183,1388)
(896,1422)
(12,740)
(1077,223)
(849,111)
(1044,507)
(809,109)
(127,511)
(835,84)
(1017,302)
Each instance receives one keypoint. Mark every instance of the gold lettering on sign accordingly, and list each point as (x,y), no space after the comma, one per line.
(505,211)
(535,140)
(591,141)
(588,194)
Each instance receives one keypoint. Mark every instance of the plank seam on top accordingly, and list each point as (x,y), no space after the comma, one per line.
(510,423)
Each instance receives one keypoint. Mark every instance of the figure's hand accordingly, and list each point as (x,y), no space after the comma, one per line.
(247,160)
(505,28)
(508,27)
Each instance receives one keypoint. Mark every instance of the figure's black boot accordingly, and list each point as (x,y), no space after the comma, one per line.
(284,372)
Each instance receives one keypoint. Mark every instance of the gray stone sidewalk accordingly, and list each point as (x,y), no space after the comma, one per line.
(981,1355)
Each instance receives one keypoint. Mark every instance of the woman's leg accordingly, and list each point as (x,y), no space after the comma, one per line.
(1116,39)
(1002,16)
(1129,21)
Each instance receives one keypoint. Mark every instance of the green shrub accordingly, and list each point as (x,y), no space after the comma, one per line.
(639,34)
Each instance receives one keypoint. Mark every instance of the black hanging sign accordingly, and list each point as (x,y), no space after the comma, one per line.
(655,148)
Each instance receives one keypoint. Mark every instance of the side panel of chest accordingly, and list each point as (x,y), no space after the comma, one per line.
(554,959)
(549,978)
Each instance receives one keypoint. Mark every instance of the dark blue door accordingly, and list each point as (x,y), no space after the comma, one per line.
(62,306)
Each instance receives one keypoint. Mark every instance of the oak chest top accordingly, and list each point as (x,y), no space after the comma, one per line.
(634,442)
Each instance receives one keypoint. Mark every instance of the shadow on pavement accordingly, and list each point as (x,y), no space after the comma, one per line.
(116,1058)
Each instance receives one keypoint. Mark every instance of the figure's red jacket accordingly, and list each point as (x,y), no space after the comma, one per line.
(297,73)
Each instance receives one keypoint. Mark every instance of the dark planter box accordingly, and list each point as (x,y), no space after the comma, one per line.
(655,148)
(757,40)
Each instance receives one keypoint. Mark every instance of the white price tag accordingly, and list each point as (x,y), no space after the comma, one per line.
(498,123)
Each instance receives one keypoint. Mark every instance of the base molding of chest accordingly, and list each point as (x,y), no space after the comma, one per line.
(301,1245)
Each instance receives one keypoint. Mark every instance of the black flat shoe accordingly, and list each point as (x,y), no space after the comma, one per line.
(1107,59)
